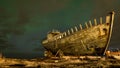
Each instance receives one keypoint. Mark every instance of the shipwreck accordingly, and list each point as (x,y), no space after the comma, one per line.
(92,40)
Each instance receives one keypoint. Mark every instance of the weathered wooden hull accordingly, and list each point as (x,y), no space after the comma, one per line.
(92,40)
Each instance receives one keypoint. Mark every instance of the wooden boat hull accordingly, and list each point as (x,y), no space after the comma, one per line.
(92,40)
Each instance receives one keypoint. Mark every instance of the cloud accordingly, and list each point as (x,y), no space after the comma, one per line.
(42,6)
(103,6)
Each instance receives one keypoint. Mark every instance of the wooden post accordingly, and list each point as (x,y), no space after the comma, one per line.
(86,24)
(80,26)
(72,30)
(68,32)
(90,23)
(100,20)
(95,21)
(76,28)
(107,19)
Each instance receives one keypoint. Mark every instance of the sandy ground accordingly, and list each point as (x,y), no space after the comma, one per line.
(60,62)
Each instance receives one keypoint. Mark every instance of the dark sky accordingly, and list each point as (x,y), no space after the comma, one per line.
(24,23)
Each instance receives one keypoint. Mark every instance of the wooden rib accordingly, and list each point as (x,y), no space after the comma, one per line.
(95,21)
(90,23)
(68,32)
(76,28)
(72,30)
(100,20)
(80,26)
(86,24)
(107,19)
